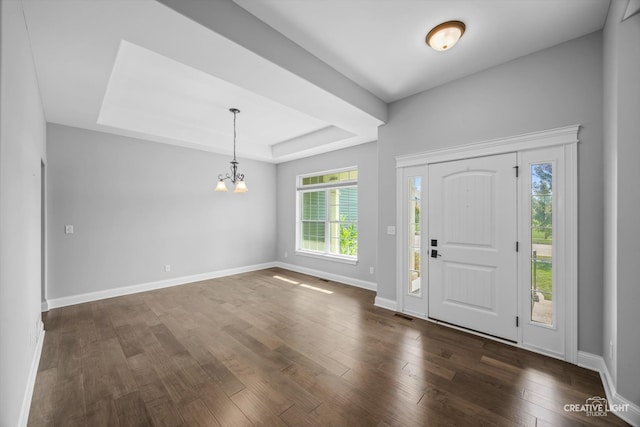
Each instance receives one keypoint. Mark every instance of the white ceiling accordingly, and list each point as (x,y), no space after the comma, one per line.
(380,44)
(169,70)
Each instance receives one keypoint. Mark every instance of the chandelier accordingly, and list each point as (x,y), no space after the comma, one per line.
(236,178)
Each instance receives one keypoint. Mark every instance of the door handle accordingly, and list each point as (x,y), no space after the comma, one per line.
(434,253)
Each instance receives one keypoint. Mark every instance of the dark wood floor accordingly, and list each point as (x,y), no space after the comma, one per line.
(260,349)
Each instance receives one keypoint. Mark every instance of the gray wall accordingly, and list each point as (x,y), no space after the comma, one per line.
(137,205)
(365,157)
(22,149)
(555,87)
(622,271)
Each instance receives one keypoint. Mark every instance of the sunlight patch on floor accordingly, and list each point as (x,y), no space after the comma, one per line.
(315,288)
(284,279)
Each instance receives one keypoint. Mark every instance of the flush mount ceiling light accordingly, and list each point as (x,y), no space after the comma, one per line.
(446,35)
(236,178)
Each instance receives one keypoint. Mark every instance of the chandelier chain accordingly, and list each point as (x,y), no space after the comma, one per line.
(235,113)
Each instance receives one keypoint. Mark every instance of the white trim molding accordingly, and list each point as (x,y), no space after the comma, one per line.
(143,287)
(400,236)
(527,141)
(327,257)
(371,286)
(31,381)
(571,250)
(385,303)
(596,363)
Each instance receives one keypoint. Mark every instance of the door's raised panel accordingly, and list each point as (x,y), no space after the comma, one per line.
(470,286)
(469,199)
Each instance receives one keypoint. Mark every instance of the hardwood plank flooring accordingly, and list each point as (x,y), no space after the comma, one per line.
(259,349)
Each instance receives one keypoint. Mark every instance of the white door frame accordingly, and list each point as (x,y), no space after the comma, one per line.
(567,137)
(403,232)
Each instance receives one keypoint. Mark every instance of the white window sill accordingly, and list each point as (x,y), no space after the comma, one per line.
(328,257)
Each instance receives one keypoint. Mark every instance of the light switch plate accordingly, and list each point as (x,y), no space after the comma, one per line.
(68,229)
(391,230)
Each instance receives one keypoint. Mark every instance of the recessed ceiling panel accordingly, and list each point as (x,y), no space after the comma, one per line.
(140,69)
(155,95)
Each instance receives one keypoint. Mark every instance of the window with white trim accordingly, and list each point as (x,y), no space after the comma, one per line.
(327,217)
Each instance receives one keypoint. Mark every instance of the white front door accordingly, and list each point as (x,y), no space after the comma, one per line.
(472,270)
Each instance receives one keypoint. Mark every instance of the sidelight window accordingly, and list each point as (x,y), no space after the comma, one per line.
(542,286)
(414,230)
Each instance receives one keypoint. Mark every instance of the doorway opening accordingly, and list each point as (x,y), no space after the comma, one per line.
(494,247)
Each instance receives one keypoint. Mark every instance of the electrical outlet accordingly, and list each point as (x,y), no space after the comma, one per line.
(167,268)
(286,254)
(371,270)
(391,230)
(68,229)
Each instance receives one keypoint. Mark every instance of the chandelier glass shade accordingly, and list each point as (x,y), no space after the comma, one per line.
(236,178)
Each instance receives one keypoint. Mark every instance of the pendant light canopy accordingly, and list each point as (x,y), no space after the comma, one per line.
(236,178)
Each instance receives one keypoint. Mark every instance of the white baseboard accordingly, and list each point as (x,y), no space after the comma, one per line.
(127,290)
(31,381)
(372,286)
(591,361)
(134,289)
(386,303)
(596,363)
